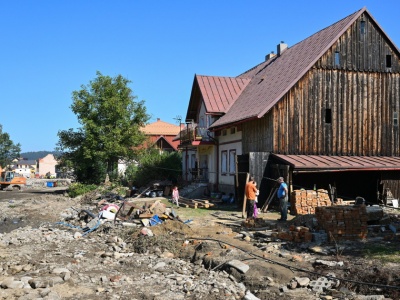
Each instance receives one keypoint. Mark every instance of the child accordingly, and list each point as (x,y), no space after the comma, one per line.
(255,213)
(175,195)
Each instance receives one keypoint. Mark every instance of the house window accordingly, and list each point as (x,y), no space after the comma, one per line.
(388,61)
(337,59)
(395,119)
(232,161)
(233,130)
(224,162)
(362,27)
(328,116)
(224,132)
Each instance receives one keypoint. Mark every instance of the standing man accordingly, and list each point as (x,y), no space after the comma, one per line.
(282,194)
(251,191)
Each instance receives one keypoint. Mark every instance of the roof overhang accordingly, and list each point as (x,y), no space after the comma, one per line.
(325,163)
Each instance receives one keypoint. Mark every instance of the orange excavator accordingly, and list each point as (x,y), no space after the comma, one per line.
(10,179)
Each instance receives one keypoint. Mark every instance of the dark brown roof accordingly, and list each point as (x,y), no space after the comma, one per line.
(275,79)
(318,163)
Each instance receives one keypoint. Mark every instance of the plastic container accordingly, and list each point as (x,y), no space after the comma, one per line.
(49,184)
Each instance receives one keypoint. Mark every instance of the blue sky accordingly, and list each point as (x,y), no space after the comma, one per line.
(51,48)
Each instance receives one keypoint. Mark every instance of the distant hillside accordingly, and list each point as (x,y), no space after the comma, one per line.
(38,154)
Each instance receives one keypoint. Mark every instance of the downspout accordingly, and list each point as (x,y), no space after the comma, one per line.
(186,165)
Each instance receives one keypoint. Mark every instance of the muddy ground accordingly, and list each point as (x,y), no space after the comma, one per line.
(36,235)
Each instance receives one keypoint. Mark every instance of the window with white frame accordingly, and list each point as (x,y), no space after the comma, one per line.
(232,161)
(224,162)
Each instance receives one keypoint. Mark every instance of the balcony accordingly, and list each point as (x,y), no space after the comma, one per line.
(194,135)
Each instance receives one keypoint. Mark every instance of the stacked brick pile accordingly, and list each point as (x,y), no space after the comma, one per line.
(343,222)
(303,202)
(296,234)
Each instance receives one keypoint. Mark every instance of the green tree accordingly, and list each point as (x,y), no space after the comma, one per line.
(154,165)
(8,150)
(111,120)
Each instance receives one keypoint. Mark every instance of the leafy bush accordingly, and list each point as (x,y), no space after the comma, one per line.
(77,189)
(155,166)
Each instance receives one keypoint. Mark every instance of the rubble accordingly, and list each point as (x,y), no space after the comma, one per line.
(144,249)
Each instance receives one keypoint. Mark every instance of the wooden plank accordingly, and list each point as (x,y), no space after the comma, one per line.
(245,198)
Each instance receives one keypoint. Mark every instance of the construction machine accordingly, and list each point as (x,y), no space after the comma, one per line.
(10,179)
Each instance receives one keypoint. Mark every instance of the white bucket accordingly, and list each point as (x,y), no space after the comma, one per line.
(395,202)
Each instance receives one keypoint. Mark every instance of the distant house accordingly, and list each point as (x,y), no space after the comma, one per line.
(47,164)
(25,167)
(162,135)
(324,112)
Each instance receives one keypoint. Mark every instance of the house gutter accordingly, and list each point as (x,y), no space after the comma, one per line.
(213,129)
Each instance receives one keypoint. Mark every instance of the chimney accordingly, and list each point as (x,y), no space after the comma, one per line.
(269,56)
(281,47)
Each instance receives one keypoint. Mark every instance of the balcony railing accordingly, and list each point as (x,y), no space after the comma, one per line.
(189,135)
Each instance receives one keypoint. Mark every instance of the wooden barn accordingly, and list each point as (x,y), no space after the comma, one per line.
(323,112)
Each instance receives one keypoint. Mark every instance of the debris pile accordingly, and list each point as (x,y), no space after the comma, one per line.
(298,234)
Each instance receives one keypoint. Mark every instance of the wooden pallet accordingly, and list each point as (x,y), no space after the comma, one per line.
(195,203)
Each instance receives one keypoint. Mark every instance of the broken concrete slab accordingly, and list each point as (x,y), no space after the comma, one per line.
(240,266)
(320,285)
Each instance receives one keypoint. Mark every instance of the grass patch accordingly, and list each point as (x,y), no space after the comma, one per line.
(384,253)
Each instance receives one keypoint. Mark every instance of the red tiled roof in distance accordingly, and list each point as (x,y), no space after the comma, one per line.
(273,81)
(161,128)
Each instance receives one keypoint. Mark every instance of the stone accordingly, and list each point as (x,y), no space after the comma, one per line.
(292,284)
(302,281)
(159,265)
(329,263)
(240,266)
(370,297)
(45,282)
(15,285)
(60,270)
(284,289)
(250,296)
(6,282)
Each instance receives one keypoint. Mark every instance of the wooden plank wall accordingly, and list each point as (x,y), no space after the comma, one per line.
(361,93)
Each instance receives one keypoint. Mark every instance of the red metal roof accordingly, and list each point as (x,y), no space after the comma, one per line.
(325,163)
(219,93)
(273,81)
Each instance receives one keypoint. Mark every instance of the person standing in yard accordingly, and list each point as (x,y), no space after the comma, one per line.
(251,191)
(282,194)
(175,196)
(255,210)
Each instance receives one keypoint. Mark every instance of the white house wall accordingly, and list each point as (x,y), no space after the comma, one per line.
(228,144)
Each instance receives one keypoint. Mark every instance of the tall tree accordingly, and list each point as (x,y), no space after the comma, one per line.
(8,150)
(111,120)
